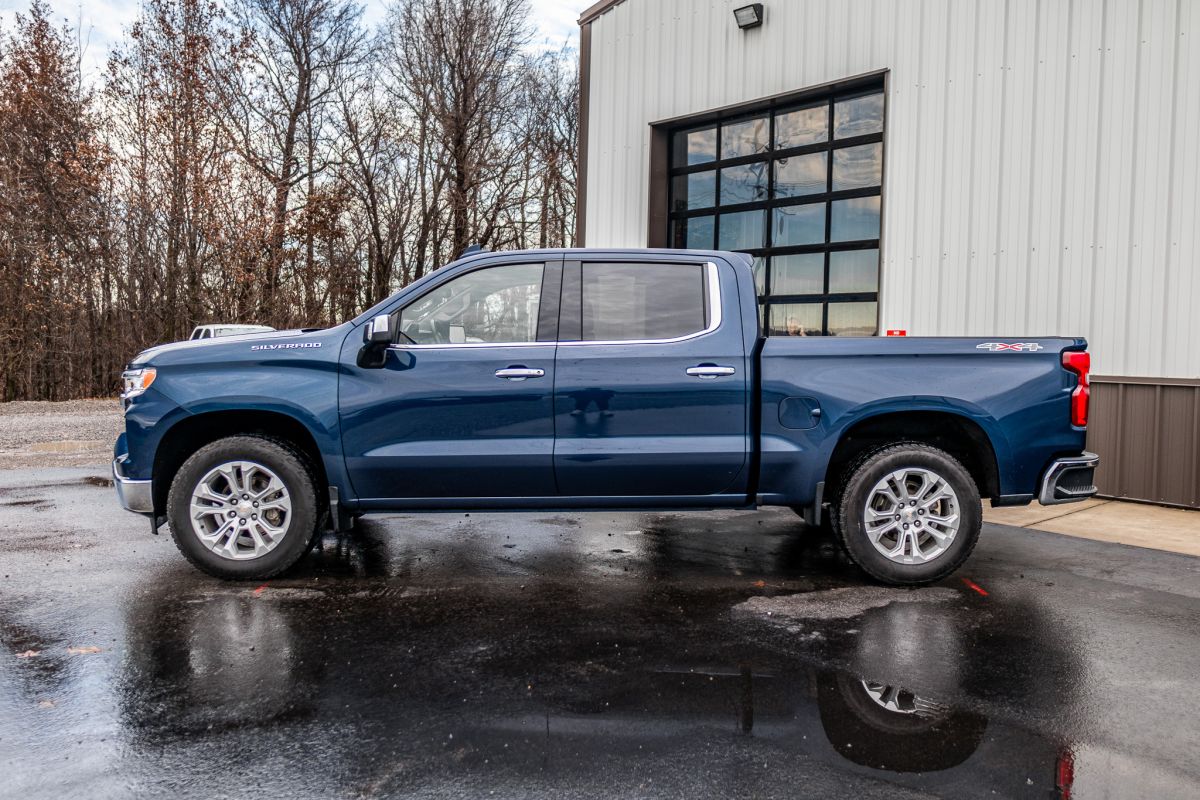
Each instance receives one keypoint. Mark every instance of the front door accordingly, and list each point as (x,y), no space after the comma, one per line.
(463,405)
(650,382)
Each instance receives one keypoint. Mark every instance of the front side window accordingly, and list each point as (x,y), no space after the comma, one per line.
(622,302)
(796,184)
(495,305)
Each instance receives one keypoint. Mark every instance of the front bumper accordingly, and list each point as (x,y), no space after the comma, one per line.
(134,495)
(1069,480)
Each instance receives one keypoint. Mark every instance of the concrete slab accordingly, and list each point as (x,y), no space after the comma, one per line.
(1175,530)
(1030,515)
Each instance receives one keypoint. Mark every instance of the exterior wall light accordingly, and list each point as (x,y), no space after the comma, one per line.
(750,16)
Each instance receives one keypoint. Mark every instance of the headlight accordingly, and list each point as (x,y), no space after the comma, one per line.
(136,381)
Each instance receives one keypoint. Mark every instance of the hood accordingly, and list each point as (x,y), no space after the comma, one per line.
(143,358)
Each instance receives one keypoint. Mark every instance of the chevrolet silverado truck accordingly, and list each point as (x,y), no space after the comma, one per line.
(589,380)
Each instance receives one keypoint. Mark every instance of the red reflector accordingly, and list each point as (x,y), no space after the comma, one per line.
(897,332)
(1081,364)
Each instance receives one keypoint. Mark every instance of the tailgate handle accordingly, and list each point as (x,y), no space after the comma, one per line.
(519,373)
(709,371)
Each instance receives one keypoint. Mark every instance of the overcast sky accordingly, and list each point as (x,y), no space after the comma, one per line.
(102,21)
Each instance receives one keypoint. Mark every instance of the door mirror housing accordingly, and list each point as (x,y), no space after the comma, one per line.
(378,335)
(381,331)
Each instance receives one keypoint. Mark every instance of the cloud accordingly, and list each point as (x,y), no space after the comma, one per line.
(102,23)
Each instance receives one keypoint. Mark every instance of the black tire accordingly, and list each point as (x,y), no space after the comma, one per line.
(851,505)
(291,467)
(933,739)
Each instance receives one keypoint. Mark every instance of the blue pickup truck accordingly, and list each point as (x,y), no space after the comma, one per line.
(596,379)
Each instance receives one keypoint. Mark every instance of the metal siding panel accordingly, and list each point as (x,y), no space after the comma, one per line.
(1043,262)
(1148,438)
(1041,172)
(1103,436)
(1178,441)
(1180,324)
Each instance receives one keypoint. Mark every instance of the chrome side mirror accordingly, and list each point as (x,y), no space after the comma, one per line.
(377,336)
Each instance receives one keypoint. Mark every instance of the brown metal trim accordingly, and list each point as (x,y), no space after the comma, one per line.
(581,169)
(596,9)
(1147,433)
(1142,381)
(657,232)
(782,98)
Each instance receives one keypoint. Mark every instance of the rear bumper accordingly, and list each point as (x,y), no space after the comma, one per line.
(134,495)
(1069,479)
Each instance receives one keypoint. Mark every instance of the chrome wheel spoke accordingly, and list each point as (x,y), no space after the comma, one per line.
(241,510)
(911,515)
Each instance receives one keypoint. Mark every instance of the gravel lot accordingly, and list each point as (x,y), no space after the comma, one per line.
(72,433)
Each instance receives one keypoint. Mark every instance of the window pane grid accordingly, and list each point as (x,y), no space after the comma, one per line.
(815,242)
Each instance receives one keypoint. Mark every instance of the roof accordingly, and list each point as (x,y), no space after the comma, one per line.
(596,9)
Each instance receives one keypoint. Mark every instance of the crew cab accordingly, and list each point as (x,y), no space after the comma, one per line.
(596,379)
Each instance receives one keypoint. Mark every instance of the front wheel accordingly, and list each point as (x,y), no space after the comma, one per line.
(244,507)
(909,514)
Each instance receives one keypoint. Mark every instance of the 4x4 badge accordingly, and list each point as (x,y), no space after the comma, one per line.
(1019,347)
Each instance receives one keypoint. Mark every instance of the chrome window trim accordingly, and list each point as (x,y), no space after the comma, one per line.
(714,318)
(449,346)
(714,322)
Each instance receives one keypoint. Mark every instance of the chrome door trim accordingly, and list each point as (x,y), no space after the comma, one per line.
(714,318)
(714,322)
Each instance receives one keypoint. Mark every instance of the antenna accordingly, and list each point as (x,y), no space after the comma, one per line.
(471,250)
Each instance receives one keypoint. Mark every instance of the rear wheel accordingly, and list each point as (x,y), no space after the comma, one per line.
(909,514)
(244,507)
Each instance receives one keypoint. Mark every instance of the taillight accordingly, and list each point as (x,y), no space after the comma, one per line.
(1080,364)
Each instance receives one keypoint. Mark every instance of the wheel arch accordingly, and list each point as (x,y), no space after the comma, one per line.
(193,432)
(957,434)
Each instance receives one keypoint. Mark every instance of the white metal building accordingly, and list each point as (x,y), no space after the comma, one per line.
(945,167)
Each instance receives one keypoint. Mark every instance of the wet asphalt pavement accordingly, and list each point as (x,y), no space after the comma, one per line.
(601,655)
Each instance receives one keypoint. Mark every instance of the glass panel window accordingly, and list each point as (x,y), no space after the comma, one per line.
(744,138)
(802,127)
(853,271)
(798,185)
(854,219)
(741,231)
(695,147)
(800,175)
(760,275)
(798,274)
(857,167)
(799,225)
(694,190)
(744,184)
(795,319)
(642,301)
(498,305)
(695,233)
(852,319)
(858,116)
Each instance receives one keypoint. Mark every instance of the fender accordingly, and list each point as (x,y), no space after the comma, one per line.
(990,426)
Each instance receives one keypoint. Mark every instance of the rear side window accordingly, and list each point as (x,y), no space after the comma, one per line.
(621,302)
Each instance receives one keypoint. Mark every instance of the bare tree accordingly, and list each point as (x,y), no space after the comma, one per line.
(267,161)
(455,68)
(52,215)
(283,74)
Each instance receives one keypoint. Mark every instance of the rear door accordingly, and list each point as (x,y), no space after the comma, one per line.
(650,381)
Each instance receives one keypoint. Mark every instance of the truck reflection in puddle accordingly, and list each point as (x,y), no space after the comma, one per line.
(563,673)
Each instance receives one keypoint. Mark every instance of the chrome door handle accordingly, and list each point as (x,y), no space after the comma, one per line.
(519,373)
(709,371)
